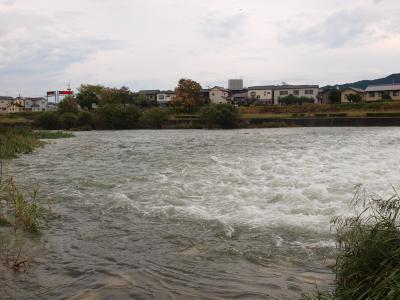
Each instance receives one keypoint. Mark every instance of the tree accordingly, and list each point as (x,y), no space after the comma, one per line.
(221,115)
(116,96)
(334,95)
(188,94)
(117,116)
(68,104)
(354,98)
(88,95)
(154,117)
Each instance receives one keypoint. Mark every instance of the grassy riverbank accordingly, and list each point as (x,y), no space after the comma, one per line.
(116,116)
(21,212)
(16,141)
(368,259)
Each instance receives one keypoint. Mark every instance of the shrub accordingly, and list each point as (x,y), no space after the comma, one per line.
(117,116)
(84,120)
(68,104)
(49,120)
(154,118)
(220,115)
(368,263)
(294,100)
(68,120)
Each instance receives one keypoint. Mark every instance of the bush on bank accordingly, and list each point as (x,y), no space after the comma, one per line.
(368,259)
(154,118)
(224,116)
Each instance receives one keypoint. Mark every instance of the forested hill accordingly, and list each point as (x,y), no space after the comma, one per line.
(394,78)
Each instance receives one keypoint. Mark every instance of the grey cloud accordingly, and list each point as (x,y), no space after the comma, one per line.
(216,26)
(33,44)
(336,30)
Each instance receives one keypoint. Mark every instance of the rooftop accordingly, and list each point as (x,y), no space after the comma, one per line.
(383,87)
(7,98)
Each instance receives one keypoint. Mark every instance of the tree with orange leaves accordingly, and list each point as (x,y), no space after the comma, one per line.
(187,94)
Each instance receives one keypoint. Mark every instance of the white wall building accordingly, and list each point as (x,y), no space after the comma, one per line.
(309,91)
(36,104)
(261,94)
(376,92)
(218,95)
(164,98)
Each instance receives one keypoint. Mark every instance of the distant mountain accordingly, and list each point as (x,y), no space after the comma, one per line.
(394,78)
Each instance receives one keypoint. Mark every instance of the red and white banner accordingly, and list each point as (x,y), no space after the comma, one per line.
(51,93)
(65,92)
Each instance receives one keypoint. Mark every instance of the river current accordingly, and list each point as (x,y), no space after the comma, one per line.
(192,214)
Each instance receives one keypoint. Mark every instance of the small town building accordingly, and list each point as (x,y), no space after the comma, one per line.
(308,91)
(345,93)
(218,95)
(324,96)
(238,97)
(15,108)
(151,95)
(36,104)
(5,101)
(164,98)
(261,94)
(378,92)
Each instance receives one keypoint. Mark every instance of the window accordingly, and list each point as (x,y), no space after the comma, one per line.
(258,97)
(265,93)
(371,94)
(212,94)
(296,92)
(396,93)
(161,97)
(309,92)
(253,94)
(283,93)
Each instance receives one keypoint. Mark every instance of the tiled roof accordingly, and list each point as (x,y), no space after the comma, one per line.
(149,92)
(383,87)
(7,98)
(354,89)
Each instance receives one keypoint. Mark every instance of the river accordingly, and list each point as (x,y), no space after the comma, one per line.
(193,214)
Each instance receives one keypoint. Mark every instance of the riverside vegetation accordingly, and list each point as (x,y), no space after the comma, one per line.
(368,244)
(21,212)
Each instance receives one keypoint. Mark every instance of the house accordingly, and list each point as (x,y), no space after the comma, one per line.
(261,94)
(238,97)
(5,101)
(218,95)
(164,98)
(205,94)
(378,92)
(15,107)
(36,104)
(151,95)
(307,91)
(324,96)
(345,93)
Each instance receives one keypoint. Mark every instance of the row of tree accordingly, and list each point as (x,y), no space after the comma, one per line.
(187,96)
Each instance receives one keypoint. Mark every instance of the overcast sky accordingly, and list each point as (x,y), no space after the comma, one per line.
(148,44)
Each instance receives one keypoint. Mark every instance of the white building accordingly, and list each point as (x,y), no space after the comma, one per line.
(218,95)
(261,94)
(36,104)
(308,91)
(164,98)
(376,92)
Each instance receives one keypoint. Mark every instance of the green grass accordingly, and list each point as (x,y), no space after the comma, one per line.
(368,244)
(23,140)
